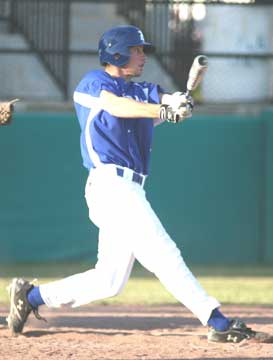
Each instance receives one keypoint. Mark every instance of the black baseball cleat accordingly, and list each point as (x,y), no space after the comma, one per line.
(20,308)
(237,332)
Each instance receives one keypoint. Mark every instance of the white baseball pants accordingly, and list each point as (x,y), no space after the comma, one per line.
(128,230)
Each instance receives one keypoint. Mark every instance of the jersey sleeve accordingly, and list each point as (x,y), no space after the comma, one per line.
(101,81)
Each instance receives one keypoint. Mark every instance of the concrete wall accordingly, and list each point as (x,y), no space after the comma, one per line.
(28,79)
(22,75)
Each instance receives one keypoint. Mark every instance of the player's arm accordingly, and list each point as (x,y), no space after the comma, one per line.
(124,107)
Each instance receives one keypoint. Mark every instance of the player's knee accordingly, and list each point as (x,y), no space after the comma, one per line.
(116,289)
(112,287)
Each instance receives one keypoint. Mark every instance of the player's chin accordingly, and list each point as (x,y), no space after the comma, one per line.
(139,71)
(136,72)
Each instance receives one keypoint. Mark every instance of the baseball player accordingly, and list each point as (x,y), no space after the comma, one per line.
(117,117)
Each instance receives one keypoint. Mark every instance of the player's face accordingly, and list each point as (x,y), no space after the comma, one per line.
(136,63)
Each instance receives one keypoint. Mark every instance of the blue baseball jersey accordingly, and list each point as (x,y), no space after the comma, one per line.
(109,139)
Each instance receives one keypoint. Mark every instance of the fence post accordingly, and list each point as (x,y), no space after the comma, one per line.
(11,16)
(66,47)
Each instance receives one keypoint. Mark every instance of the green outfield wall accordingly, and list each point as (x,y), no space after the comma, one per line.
(211,184)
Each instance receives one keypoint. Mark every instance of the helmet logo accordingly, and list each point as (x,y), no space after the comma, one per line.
(111,42)
(141,36)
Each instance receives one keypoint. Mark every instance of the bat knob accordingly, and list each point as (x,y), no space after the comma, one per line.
(202,60)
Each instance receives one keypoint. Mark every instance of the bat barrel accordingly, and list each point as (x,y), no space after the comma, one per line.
(198,68)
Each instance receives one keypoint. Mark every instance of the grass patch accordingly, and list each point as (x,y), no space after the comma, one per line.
(230,285)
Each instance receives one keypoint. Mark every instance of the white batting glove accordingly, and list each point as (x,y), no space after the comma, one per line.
(176,107)
(177,99)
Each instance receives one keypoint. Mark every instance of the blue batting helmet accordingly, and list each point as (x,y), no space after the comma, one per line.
(114,44)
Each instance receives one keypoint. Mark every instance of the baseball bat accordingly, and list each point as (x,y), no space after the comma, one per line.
(196,73)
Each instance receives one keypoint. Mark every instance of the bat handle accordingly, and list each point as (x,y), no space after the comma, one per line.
(187,93)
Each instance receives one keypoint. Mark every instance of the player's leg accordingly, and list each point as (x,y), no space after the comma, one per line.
(129,211)
(115,261)
(154,248)
(115,258)
(107,279)
(157,252)
(112,270)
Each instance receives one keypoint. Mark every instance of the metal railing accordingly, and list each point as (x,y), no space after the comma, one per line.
(45,26)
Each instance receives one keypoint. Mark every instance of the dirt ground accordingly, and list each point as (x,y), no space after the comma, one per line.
(130,333)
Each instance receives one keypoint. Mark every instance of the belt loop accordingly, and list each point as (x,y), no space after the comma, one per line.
(137,178)
(131,175)
(120,172)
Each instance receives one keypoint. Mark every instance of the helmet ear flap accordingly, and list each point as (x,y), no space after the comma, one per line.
(116,56)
